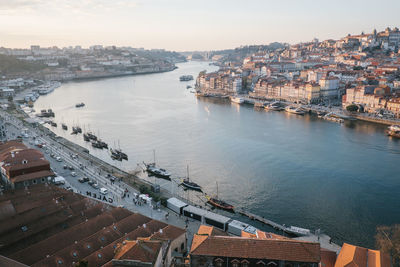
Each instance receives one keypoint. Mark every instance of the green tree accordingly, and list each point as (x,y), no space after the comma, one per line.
(387,240)
(352,108)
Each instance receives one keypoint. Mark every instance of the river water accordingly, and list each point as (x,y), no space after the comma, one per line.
(295,170)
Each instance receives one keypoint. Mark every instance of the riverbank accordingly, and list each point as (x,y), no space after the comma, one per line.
(311,109)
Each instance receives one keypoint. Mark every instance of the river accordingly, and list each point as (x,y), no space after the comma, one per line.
(295,170)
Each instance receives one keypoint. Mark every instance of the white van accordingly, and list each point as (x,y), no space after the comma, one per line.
(59,180)
(103,191)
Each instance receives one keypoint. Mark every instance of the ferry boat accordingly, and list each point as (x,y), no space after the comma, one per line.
(274,106)
(237,100)
(79,105)
(190,184)
(394,131)
(294,110)
(185,78)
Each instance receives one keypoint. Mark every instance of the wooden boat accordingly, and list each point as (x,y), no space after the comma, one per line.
(190,184)
(218,203)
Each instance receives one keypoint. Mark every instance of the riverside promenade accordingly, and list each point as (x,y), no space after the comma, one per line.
(98,170)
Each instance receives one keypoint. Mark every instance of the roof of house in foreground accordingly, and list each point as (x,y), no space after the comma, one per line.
(48,226)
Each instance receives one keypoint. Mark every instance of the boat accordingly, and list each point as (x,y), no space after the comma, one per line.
(96,144)
(118,154)
(185,78)
(74,130)
(237,100)
(80,105)
(294,110)
(91,136)
(394,131)
(218,203)
(86,137)
(188,87)
(190,184)
(64,126)
(46,113)
(102,144)
(274,106)
(152,169)
(53,124)
(259,105)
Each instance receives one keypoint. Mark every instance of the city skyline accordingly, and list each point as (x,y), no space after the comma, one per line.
(186,26)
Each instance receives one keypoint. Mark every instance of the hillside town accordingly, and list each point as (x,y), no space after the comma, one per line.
(361,70)
(27,68)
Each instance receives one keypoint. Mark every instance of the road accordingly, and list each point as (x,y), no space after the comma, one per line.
(84,168)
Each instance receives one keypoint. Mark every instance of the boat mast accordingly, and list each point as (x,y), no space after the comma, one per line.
(217,189)
(187,169)
(154,157)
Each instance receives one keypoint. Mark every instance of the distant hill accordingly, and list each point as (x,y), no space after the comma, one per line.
(12,65)
(239,53)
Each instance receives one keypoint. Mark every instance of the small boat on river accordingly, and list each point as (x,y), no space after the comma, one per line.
(394,131)
(190,184)
(218,203)
(152,169)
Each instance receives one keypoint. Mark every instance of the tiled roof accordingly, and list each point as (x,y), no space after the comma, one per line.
(354,256)
(141,250)
(259,249)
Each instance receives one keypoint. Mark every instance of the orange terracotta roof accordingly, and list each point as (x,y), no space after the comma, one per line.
(354,256)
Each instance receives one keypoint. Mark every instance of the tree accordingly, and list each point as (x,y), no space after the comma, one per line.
(352,108)
(387,240)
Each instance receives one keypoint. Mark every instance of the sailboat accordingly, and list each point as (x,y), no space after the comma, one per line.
(151,168)
(190,184)
(218,203)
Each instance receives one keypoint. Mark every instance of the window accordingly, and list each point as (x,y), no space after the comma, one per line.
(219,262)
(43,180)
(182,246)
(272,264)
(245,263)
(260,264)
(26,183)
(34,181)
(235,263)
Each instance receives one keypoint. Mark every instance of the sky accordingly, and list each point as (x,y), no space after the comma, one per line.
(188,25)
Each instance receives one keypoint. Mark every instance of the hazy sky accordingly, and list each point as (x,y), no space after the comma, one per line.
(187,24)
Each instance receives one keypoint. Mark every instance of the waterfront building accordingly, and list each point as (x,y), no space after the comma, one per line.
(22,166)
(329,87)
(210,247)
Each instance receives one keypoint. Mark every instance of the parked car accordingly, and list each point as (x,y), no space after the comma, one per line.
(95,185)
(103,191)
(83,180)
(65,167)
(73,174)
(69,188)
(59,159)
(71,168)
(91,182)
